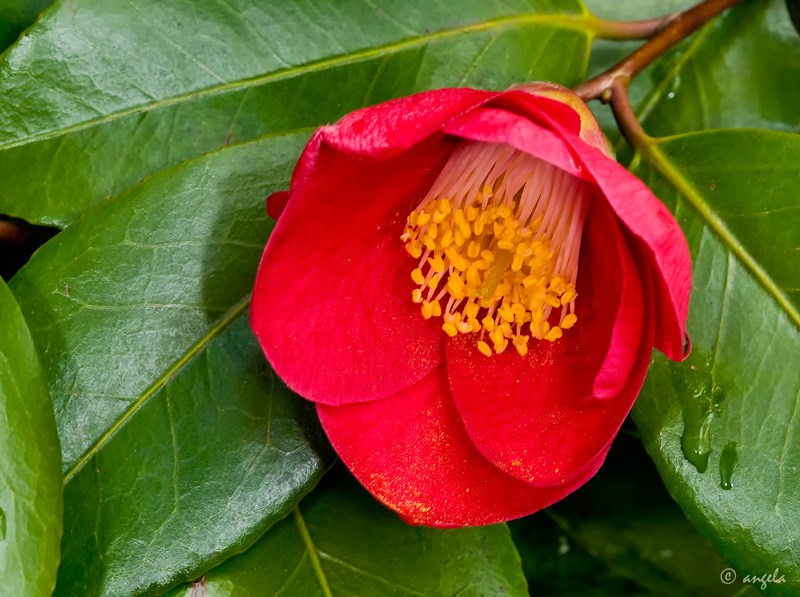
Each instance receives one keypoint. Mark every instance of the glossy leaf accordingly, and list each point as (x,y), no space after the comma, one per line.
(17,15)
(180,446)
(702,85)
(178,79)
(30,479)
(340,541)
(735,193)
(620,534)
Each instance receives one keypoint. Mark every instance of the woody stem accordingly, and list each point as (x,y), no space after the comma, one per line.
(677,28)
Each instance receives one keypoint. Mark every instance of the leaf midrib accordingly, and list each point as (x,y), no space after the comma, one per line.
(312,552)
(650,151)
(579,22)
(215,331)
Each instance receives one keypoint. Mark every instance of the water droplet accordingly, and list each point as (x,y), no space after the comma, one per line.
(671,94)
(563,547)
(727,463)
(693,388)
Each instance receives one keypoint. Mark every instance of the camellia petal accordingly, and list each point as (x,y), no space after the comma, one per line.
(647,218)
(507,218)
(331,305)
(542,434)
(412,452)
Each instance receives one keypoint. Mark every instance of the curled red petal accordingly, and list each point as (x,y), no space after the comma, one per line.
(412,452)
(333,292)
(493,125)
(387,129)
(277,202)
(663,242)
(526,414)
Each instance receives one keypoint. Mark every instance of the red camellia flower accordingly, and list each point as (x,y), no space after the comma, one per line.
(469,288)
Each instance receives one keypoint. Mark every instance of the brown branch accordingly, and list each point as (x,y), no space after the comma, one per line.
(623,113)
(631,30)
(678,28)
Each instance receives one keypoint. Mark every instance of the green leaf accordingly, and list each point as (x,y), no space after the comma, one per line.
(180,447)
(16,16)
(341,541)
(30,480)
(735,193)
(701,85)
(181,78)
(620,534)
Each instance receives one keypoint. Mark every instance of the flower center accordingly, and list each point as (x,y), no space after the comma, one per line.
(498,238)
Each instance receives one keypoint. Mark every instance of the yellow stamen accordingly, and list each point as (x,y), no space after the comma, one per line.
(492,255)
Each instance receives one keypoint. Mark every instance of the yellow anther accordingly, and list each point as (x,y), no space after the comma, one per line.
(416,295)
(474,325)
(434,281)
(473,277)
(436,263)
(506,313)
(413,218)
(445,206)
(427,309)
(459,238)
(487,189)
(447,239)
(517,262)
(436,308)
(429,243)
(472,213)
(423,219)
(500,347)
(473,250)
(471,310)
(551,300)
(541,330)
(557,285)
(488,323)
(554,334)
(417,276)
(487,256)
(438,216)
(506,245)
(455,286)
(480,223)
(414,249)
(497,336)
(449,328)
(569,321)
(463,326)
(484,348)
(568,297)
(521,344)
